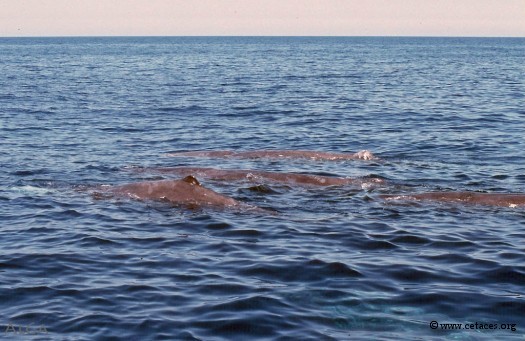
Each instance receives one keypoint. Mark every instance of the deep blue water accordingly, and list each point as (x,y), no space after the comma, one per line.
(334,263)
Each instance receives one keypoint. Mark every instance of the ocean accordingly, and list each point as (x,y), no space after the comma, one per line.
(332,263)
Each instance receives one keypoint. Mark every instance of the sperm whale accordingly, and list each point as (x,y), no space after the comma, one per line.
(279,154)
(186,192)
(488,199)
(261,176)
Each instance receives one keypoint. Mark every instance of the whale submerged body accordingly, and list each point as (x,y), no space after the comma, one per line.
(487,199)
(277,154)
(258,176)
(186,192)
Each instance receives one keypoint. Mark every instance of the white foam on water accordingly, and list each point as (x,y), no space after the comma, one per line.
(31,190)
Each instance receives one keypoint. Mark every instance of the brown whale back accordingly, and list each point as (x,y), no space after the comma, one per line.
(488,199)
(279,154)
(262,176)
(186,192)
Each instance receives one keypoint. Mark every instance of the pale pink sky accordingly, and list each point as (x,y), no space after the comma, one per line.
(262,17)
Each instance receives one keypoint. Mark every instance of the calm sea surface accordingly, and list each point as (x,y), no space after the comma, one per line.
(335,263)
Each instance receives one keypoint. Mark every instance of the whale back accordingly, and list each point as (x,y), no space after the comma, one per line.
(488,199)
(185,191)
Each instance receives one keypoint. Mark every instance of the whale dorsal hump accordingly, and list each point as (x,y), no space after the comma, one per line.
(191,180)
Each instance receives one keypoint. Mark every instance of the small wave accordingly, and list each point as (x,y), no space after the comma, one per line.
(310,271)
(378,245)
(454,244)
(242,233)
(504,274)
(95,241)
(31,190)
(182,109)
(413,275)
(409,239)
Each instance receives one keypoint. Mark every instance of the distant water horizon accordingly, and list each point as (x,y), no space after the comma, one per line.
(264,36)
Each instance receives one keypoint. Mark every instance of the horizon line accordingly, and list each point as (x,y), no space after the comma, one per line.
(260,36)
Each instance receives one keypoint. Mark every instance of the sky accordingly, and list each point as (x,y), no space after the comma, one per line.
(262,17)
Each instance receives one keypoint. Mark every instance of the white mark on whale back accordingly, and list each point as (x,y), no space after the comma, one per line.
(319,179)
(399,197)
